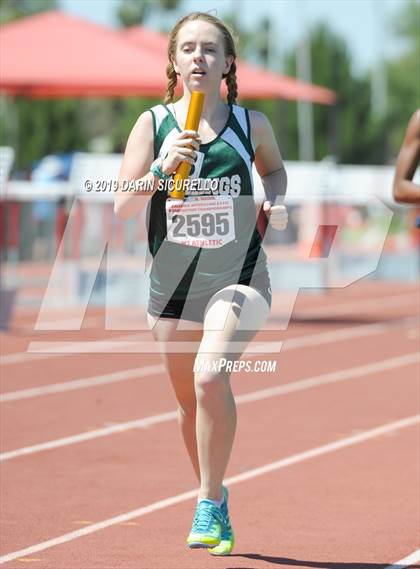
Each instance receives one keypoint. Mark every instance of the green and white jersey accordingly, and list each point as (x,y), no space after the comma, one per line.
(210,240)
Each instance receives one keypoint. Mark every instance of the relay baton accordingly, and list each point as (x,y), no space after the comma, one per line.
(193,120)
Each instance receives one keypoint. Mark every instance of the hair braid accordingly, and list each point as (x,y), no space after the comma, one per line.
(232,85)
(172,81)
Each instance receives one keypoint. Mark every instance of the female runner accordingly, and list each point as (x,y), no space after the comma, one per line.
(209,284)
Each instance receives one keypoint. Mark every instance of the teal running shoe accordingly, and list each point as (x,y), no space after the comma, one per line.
(227,540)
(206,529)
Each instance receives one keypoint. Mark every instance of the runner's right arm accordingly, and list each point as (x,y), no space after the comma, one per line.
(138,157)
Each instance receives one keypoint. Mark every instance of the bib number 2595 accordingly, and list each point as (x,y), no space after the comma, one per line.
(206,222)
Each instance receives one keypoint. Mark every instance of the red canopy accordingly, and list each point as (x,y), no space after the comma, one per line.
(253,82)
(55,55)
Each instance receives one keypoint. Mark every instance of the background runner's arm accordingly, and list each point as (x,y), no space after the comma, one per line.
(138,157)
(268,160)
(404,189)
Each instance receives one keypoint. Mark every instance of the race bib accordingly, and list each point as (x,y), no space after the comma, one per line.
(200,221)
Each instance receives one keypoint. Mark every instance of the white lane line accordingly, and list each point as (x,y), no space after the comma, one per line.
(23,357)
(364,304)
(117,346)
(90,435)
(350,373)
(124,375)
(407,561)
(66,323)
(152,347)
(346,333)
(253,473)
(57,350)
(292,344)
(332,377)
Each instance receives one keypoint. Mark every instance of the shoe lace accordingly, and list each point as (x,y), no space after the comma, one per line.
(204,518)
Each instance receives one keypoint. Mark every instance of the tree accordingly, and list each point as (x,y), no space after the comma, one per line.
(13,9)
(363,136)
(135,12)
(404,75)
(358,139)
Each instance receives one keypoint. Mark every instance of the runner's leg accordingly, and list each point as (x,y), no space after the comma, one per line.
(180,369)
(226,320)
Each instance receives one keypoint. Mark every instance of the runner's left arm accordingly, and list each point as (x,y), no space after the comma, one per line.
(270,167)
(404,189)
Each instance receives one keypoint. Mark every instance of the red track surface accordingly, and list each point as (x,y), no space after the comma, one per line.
(354,507)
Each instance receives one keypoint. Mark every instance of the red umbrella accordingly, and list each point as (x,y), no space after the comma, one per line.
(55,55)
(253,82)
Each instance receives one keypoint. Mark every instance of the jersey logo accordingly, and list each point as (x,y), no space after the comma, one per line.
(196,167)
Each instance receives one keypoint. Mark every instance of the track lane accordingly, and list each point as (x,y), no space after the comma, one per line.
(318,496)
(107,473)
(33,421)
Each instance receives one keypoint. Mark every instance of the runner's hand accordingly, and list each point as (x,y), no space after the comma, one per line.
(183,149)
(277,215)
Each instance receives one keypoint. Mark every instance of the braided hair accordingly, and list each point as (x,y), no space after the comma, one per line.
(230,49)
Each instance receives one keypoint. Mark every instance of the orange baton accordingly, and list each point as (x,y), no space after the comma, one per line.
(192,122)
